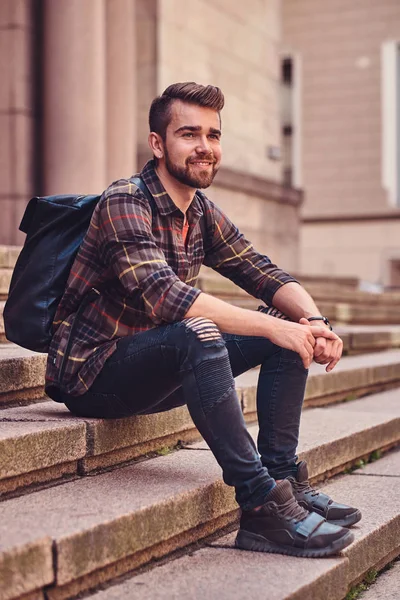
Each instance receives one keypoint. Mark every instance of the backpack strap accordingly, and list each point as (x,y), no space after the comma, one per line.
(138,181)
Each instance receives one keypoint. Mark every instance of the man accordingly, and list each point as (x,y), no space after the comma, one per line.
(151,341)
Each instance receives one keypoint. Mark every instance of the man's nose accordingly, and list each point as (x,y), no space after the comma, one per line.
(203,145)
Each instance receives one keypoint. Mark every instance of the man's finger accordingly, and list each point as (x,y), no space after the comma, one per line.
(338,347)
(321,347)
(306,357)
(323,332)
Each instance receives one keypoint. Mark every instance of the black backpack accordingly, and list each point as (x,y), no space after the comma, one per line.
(55,227)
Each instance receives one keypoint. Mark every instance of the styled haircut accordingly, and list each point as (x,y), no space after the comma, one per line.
(188,91)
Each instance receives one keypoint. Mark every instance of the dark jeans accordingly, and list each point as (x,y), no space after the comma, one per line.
(191,363)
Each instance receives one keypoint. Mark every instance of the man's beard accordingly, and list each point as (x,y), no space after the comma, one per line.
(202,179)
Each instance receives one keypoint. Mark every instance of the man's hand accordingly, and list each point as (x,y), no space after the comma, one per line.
(326,351)
(301,338)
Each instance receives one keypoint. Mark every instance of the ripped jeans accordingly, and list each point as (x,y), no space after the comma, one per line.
(192,363)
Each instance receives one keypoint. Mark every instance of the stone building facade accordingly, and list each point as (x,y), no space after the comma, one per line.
(77,78)
(346,128)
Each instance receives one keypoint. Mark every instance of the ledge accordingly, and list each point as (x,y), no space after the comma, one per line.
(390,215)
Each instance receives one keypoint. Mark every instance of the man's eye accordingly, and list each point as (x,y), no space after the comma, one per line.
(189,134)
(214,136)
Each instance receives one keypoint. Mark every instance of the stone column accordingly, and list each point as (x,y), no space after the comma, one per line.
(121,88)
(16,116)
(74,96)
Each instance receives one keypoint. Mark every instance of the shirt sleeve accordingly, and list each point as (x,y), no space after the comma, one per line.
(126,244)
(230,254)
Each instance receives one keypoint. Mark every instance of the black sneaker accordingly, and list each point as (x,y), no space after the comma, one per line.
(318,502)
(282,526)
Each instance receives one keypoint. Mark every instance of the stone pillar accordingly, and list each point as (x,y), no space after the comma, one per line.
(16,116)
(74,96)
(147,67)
(121,88)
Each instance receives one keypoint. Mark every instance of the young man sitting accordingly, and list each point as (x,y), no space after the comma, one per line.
(152,341)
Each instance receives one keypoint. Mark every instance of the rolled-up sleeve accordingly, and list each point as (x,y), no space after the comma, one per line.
(233,256)
(127,245)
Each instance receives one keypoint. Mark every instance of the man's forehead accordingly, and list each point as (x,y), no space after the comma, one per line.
(185,113)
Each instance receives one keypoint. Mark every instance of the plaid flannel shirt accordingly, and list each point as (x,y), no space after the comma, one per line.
(146,274)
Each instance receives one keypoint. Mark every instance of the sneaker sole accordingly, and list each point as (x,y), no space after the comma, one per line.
(245,540)
(347,521)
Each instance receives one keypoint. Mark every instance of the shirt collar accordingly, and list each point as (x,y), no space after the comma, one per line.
(162,199)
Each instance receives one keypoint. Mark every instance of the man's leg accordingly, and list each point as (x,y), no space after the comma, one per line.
(280,394)
(145,374)
(183,363)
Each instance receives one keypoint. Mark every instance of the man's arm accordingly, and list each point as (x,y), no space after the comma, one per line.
(231,319)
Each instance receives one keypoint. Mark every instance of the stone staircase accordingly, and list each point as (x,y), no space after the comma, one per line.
(138,506)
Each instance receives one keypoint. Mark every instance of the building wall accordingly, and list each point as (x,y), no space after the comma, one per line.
(339,43)
(79,78)
(364,249)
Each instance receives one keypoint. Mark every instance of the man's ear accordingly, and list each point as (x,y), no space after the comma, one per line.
(156,144)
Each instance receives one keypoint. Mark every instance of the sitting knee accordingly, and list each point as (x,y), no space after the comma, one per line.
(205,330)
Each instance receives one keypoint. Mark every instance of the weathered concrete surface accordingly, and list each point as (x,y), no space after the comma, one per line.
(8,256)
(24,567)
(352,375)
(20,371)
(335,436)
(26,447)
(388,466)
(221,571)
(217,574)
(5,279)
(111,517)
(2,332)
(97,521)
(378,533)
(386,587)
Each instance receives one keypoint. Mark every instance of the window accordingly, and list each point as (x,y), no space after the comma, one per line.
(391,121)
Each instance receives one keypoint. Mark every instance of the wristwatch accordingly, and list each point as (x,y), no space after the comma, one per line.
(321,318)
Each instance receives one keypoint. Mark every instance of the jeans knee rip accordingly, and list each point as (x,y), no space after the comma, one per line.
(205,330)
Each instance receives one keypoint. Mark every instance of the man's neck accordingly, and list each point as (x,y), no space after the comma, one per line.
(180,194)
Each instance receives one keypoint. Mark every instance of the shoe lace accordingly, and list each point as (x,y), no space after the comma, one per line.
(291,509)
(304,486)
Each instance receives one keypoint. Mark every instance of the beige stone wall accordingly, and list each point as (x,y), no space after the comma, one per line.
(362,249)
(235,46)
(16,114)
(340,46)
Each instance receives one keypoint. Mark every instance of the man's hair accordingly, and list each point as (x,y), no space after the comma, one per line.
(188,91)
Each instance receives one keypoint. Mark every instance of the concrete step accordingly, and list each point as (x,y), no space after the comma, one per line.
(3,338)
(219,571)
(21,374)
(37,433)
(5,279)
(93,529)
(387,586)
(322,290)
(341,304)
(8,256)
(22,371)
